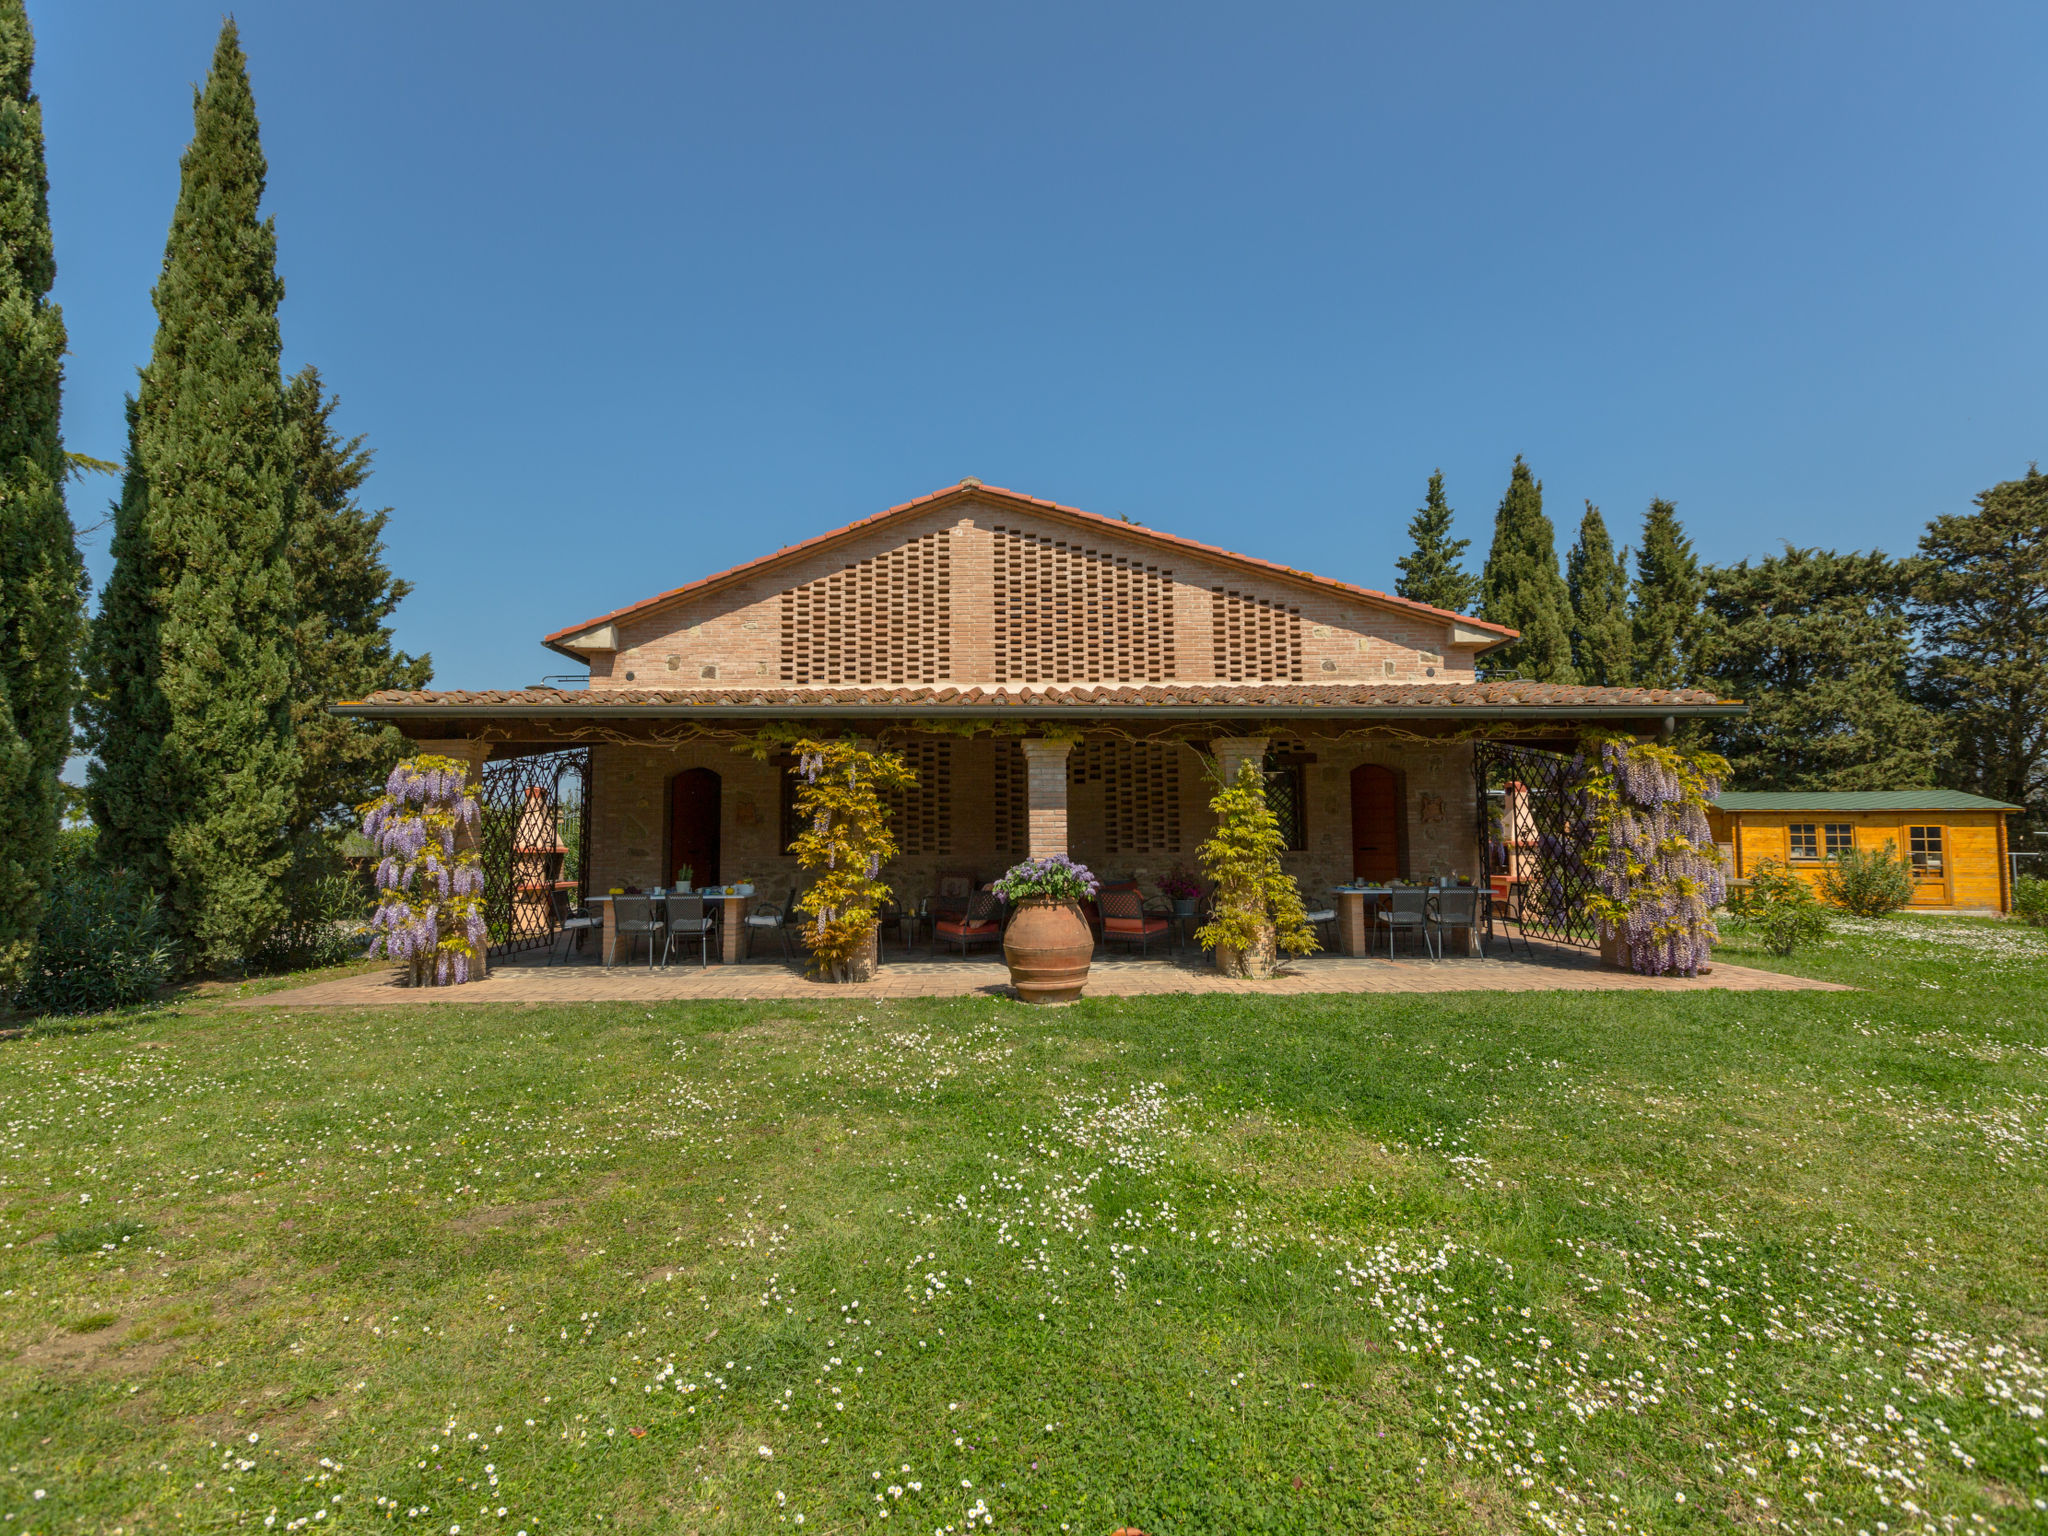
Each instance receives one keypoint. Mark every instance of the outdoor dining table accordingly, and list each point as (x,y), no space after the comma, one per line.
(1357,904)
(731,912)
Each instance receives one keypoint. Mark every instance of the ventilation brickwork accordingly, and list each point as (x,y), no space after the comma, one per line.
(1065,613)
(1140,793)
(1254,638)
(922,816)
(886,619)
(1012,803)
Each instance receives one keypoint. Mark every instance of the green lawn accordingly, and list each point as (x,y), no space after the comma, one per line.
(1602,1262)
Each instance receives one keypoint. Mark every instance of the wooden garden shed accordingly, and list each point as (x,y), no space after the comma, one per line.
(1956,842)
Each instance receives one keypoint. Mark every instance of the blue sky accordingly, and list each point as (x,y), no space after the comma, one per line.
(625,293)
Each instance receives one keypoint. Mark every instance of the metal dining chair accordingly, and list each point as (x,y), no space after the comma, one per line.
(1455,906)
(1324,921)
(688,922)
(633,919)
(1408,907)
(570,920)
(769,918)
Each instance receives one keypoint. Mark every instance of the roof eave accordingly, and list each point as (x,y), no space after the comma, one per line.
(1040,710)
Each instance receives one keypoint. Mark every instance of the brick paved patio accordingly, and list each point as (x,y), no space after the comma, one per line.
(529,979)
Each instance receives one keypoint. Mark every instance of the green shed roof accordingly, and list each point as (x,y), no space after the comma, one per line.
(1858,800)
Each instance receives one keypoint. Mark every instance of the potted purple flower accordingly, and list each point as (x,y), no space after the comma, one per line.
(1179,886)
(1048,944)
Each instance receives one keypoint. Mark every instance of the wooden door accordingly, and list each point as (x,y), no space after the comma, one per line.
(694,797)
(1375,823)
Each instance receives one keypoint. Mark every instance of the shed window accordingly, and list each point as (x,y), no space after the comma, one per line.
(1805,839)
(1923,846)
(1837,837)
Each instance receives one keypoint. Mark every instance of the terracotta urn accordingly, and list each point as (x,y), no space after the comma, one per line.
(865,962)
(1048,946)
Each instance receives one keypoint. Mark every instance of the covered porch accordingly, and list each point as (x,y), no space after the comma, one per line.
(586,795)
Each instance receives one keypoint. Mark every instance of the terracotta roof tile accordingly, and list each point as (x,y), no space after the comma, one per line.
(1422,697)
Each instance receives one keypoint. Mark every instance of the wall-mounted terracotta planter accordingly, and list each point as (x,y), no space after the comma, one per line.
(1048,946)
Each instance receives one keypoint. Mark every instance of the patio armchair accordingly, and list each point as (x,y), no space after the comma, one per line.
(1125,920)
(633,919)
(573,920)
(1454,906)
(1408,907)
(980,923)
(688,921)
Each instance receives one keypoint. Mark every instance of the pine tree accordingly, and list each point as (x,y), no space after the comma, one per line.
(1433,571)
(191,664)
(1597,578)
(344,596)
(41,591)
(1818,645)
(1668,593)
(1982,602)
(1523,590)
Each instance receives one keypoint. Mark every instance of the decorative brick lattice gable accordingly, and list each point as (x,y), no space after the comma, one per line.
(885,619)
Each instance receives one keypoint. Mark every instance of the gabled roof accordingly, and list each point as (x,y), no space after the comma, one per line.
(968,490)
(1846,800)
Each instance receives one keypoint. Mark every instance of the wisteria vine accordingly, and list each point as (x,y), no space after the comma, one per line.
(1657,876)
(430,881)
(843,847)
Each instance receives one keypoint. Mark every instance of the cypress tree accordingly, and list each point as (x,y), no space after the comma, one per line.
(41,591)
(1818,644)
(1523,590)
(1433,571)
(1668,593)
(191,668)
(345,596)
(1597,578)
(1982,601)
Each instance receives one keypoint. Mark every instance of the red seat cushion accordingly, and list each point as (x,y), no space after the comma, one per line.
(956,928)
(1134,925)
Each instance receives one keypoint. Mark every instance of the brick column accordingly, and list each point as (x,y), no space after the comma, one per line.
(472,753)
(1045,778)
(1233,751)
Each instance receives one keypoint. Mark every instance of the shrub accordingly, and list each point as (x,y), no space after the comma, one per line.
(1656,874)
(1258,906)
(100,943)
(328,923)
(430,883)
(1867,883)
(2030,899)
(844,844)
(1781,907)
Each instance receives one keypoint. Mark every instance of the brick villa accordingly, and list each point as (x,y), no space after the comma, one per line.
(1058,679)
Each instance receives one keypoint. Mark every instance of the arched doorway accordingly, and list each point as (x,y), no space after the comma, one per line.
(1375,823)
(693,810)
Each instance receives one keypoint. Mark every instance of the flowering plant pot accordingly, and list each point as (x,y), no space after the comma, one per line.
(1184,906)
(1048,947)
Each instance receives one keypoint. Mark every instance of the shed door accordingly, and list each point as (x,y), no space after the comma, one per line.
(1375,823)
(694,797)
